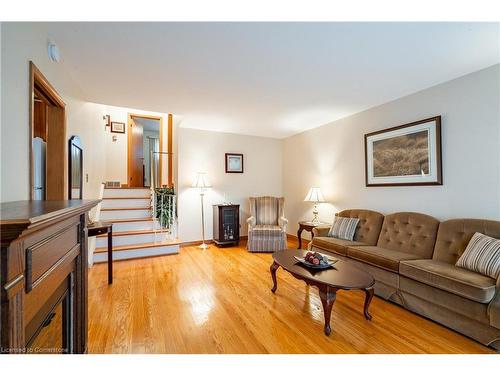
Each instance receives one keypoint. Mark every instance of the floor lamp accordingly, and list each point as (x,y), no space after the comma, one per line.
(202,184)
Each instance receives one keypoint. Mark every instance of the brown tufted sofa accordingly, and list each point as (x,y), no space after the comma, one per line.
(412,257)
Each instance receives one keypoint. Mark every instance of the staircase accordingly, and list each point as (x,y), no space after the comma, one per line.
(135,234)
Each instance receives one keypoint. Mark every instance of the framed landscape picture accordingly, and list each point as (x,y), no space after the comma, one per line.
(234,163)
(408,154)
(117,127)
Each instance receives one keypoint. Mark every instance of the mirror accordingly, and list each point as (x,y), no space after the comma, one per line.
(75,165)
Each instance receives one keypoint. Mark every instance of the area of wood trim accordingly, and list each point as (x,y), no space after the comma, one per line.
(170,150)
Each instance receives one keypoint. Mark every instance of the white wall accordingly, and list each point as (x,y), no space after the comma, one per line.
(332,156)
(25,42)
(203,151)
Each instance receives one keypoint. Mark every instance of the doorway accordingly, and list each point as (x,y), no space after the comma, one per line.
(48,154)
(145,143)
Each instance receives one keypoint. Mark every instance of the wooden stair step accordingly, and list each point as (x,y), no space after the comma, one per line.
(129,220)
(125,208)
(134,232)
(139,198)
(140,246)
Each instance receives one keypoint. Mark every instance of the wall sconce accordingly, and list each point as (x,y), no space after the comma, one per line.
(107,119)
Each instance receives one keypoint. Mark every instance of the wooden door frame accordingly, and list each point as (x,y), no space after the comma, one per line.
(40,84)
(130,123)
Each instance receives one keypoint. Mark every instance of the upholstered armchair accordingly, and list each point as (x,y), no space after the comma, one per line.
(266,225)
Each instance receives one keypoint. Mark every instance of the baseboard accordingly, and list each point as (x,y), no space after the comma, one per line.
(195,243)
(293,237)
(210,242)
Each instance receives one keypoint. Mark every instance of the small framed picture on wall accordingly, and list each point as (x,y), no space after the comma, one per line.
(117,127)
(234,163)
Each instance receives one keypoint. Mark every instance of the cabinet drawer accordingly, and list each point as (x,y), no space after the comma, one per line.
(41,256)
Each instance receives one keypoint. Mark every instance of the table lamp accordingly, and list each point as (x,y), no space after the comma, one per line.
(314,195)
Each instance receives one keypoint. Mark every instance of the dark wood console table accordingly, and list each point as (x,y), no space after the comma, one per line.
(43,269)
(100,227)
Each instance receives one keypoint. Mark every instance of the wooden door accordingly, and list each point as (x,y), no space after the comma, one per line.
(47,121)
(135,155)
(57,160)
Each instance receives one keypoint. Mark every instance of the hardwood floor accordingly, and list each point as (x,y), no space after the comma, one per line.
(219,301)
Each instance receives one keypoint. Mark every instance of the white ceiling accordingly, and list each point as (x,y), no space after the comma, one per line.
(267,79)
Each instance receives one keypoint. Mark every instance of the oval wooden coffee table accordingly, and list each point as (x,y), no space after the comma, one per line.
(343,276)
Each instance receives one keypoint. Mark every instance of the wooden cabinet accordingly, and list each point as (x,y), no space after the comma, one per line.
(226,224)
(43,266)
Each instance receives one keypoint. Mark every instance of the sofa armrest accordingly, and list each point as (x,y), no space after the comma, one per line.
(321,230)
(251,221)
(494,307)
(282,222)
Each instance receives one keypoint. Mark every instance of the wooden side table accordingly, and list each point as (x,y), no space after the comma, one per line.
(100,227)
(308,226)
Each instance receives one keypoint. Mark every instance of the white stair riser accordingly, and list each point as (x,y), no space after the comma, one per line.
(132,239)
(134,225)
(131,193)
(125,214)
(125,203)
(137,253)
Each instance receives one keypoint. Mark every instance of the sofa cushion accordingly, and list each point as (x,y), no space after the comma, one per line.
(409,232)
(343,228)
(334,245)
(454,235)
(368,228)
(379,256)
(450,278)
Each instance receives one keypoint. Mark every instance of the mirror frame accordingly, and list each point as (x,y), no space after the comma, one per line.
(74,141)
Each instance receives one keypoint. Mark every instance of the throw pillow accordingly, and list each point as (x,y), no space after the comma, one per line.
(343,228)
(482,255)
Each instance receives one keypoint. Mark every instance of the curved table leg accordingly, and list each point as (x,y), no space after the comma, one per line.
(299,237)
(368,298)
(327,296)
(274,268)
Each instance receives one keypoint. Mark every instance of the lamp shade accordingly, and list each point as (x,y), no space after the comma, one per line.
(314,195)
(201,181)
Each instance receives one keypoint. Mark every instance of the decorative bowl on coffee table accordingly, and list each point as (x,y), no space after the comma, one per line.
(316,260)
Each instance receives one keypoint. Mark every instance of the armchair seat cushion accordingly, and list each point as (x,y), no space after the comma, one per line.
(448,277)
(379,256)
(268,229)
(334,245)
